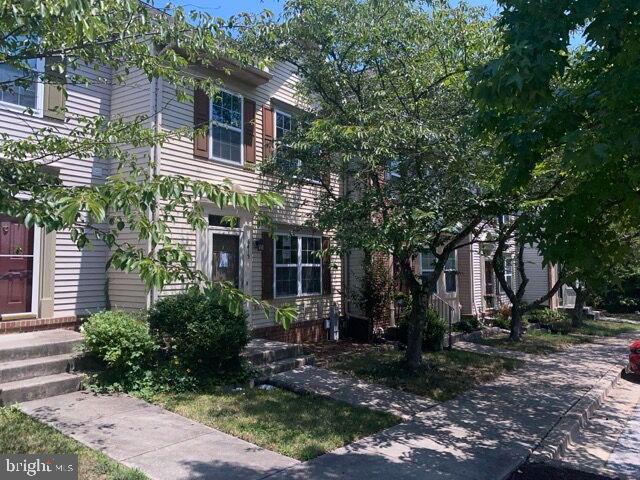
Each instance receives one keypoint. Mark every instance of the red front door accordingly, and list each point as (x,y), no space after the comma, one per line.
(16,266)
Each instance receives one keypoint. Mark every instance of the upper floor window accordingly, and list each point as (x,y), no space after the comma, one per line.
(226,128)
(297,265)
(508,271)
(427,265)
(21,87)
(450,271)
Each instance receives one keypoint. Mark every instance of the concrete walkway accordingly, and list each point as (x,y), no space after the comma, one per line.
(488,350)
(165,446)
(347,389)
(601,446)
(482,435)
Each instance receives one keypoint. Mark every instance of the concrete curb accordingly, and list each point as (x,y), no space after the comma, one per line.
(555,443)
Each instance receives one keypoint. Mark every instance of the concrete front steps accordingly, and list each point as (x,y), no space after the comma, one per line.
(37,365)
(270,357)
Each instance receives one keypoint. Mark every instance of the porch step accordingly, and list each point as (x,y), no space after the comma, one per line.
(35,367)
(39,387)
(22,346)
(262,352)
(265,371)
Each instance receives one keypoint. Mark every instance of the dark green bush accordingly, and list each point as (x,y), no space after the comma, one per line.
(197,334)
(545,316)
(554,320)
(468,324)
(118,339)
(433,334)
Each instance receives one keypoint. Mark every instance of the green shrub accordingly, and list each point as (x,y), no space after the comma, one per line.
(434,331)
(433,334)
(118,339)
(555,320)
(502,321)
(545,316)
(197,334)
(468,324)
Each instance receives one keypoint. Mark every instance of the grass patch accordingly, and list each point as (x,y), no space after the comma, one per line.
(298,426)
(19,433)
(444,375)
(603,328)
(536,342)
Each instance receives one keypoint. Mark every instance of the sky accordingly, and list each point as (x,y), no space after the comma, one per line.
(226,8)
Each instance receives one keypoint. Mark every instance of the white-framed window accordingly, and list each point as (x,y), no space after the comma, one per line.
(297,265)
(450,272)
(226,114)
(283,124)
(508,271)
(427,265)
(22,97)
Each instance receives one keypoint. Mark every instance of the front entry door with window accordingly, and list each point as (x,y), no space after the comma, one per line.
(16,266)
(226,259)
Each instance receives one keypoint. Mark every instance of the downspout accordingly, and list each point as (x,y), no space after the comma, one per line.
(155,155)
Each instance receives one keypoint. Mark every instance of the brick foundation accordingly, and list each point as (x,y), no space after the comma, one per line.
(33,324)
(309,331)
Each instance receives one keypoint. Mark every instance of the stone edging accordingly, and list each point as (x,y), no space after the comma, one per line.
(555,443)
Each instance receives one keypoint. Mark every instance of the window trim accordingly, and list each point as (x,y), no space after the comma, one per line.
(222,125)
(299,265)
(38,110)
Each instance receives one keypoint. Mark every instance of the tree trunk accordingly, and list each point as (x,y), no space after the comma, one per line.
(417,320)
(577,314)
(516,323)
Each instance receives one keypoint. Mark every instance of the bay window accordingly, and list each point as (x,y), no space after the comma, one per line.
(297,265)
(226,127)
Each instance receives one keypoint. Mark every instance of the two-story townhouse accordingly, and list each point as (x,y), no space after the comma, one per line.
(249,113)
(45,281)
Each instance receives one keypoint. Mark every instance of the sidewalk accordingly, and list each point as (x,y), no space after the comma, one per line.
(165,446)
(484,434)
(347,389)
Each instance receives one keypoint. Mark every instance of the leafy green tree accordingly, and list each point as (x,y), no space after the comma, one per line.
(391,116)
(546,102)
(122,36)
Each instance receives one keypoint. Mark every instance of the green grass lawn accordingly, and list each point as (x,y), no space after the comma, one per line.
(536,342)
(19,433)
(603,328)
(298,426)
(444,375)
(541,342)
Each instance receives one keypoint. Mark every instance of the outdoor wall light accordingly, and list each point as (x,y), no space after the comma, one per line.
(259,244)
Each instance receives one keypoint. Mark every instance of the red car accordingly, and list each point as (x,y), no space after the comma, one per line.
(634,358)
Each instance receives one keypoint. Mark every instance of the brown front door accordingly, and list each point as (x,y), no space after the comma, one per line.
(16,266)
(226,259)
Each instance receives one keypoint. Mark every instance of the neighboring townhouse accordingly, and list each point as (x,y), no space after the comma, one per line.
(468,287)
(46,281)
